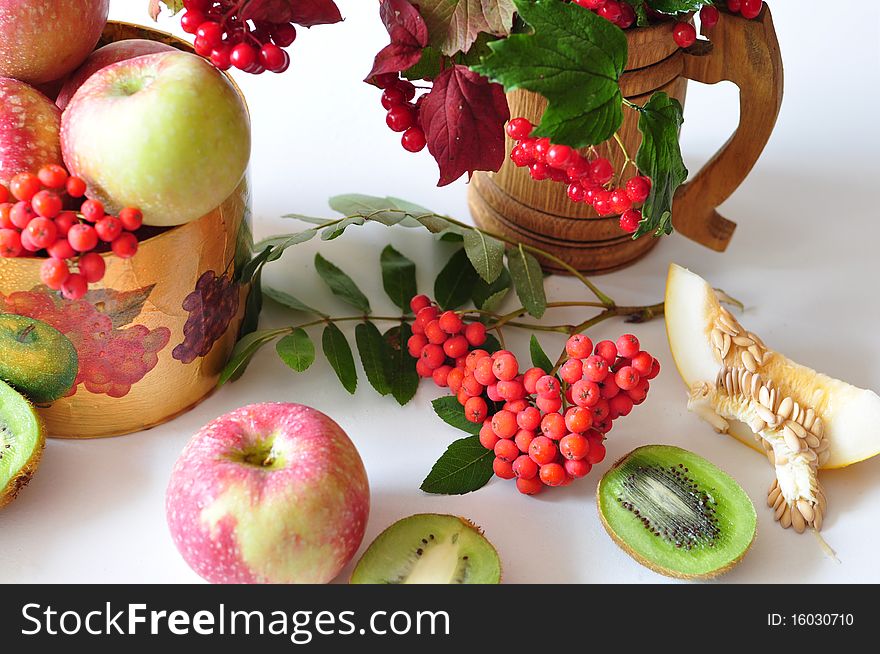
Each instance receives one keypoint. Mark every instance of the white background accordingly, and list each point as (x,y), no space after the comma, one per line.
(804,260)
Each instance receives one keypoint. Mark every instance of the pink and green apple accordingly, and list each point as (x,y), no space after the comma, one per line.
(269,493)
(165,132)
(44,40)
(29,130)
(103,57)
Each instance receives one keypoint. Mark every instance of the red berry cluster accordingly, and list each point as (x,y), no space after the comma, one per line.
(588,180)
(50,214)
(545,430)
(620,13)
(403,113)
(228,40)
(747,8)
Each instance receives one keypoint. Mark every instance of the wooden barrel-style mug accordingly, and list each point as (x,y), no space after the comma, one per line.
(153,336)
(742,51)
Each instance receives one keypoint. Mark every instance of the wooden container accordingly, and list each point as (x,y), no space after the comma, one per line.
(128,330)
(745,52)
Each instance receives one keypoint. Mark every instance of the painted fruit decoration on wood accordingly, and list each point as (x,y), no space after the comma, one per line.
(114,354)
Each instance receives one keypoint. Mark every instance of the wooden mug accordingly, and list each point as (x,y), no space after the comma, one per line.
(132,330)
(745,52)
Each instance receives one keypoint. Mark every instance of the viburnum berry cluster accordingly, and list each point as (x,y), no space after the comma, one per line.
(544,429)
(51,214)
(589,179)
(226,37)
(403,112)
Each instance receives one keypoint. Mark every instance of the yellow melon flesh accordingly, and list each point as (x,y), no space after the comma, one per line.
(851,415)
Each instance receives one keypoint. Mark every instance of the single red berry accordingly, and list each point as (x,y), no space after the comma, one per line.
(473,358)
(596,453)
(502,468)
(572,371)
(272,57)
(578,419)
(523,439)
(638,188)
(529,486)
(450,322)
(640,392)
(607,350)
(610,11)
(416,304)
(426,314)
(61,249)
(455,346)
(577,468)
(475,333)
(435,333)
(47,204)
(92,210)
(601,171)
(74,287)
(608,388)
(413,139)
(125,246)
(10,243)
(626,378)
(547,386)
(552,474)
(542,146)
(76,187)
(51,176)
(579,346)
(108,228)
(454,379)
(595,368)
(505,367)
(734,6)
(191,20)
(529,418)
(400,118)
(21,214)
(574,446)
(492,393)
(627,16)
(53,273)
(585,393)
(542,450)
(510,390)
(506,450)
(476,409)
(591,4)
(131,219)
(504,424)
(620,202)
(559,156)
(220,56)
(524,467)
(484,371)
(82,238)
(471,386)
(709,16)
(518,405)
(621,404)
(684,34)
(25,186)
(539,171)
(655,370)
(578,168)
(432,356)
(441,374)
(628,345)
(488,438)
(243,56)
(519,128)
(520,156)
(602,203)
(415,344)
(751,8)
(284,34)
(530,379)
(629,220)
(600,410)
(549,404)
(26,242)
(642,363)
(553,426)
(42,232)
(576,192)
(92,267)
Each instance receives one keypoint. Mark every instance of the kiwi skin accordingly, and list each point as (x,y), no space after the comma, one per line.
(651,565)
(23,477)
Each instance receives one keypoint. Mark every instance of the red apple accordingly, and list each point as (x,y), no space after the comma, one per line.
(30,126)
(44,40)
(103,57)
(167,133)
(269,493)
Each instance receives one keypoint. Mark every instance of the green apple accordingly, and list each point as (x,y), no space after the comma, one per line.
(167,133)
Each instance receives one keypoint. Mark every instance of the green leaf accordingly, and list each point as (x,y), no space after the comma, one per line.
(489,297)
(244,351)
(309,219)
(659,157)
(338,353)
(539,357)
(370,206)
(341,284)
(428,66)
(279,244)
(452,413)
(289,301)
(337,230)
(574,58)
(528,280)
(641,14)
(486,254)
(296,350)
(492,344)
(398,277)
(253,305)
(374,356)
(464,467)
(247,272)
(454,284)
(677,6)
(401,369)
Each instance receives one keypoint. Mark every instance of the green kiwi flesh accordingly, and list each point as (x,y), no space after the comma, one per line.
(429,548)
(21,443)
(676,513)
(38,360)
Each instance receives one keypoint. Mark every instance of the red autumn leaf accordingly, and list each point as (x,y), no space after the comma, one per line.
(302,12)
(463,117)
(409,35)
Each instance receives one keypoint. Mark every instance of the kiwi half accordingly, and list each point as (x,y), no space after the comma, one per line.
(429,548)
(21,443)
(37,360)
(676,513)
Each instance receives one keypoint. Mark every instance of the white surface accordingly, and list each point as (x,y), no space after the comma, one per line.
(803,259)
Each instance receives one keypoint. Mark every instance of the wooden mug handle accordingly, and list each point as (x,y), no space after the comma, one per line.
(745,52)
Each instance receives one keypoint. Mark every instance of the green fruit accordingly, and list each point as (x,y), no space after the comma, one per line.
(21,443)
(676,513)
(429,548)
(38,360)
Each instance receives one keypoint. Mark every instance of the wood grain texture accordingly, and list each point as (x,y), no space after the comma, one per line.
(540,213)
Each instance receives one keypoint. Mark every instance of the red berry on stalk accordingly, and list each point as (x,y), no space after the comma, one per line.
(524,467)
(626,378)
(709,16)
(74,287)
(549,404)
(620,202)
(413,139)
(92,267)
(53,273)
(26,242)
(538,171)
(571,371)
(506,450)
(92,210)
(684,34)
(577,468)
(61,249)
(21,214)
(559,156)
(578,420)
(638,188)
(476,409)
(552,474)
(529,486)
(51,176)
(488,438)
(25,186)
(220,56)
(283,34)
(547,386)
(203,47)
(542,450)
(125,246)
(76,187)
(211,33)
(579,346)
(505,367)
(272,57)
(574,446)
(400,118)
(10,243)
(585,393)
(243,56)
(628,345)
(42,232)
(131,219)
(553,426)
(655,370)
(503,468)
(416,304)
(108,228)
(596,453)
(629,220)
(576,192)
(393,96)
(47,204)
(475,333)
(519,128)
(82,238)
(734,6)
(601,171)
(595,368)
(642,363)
(627,16)
(621,404)
(192,20)
(751,8)
(610,11)
(455,346)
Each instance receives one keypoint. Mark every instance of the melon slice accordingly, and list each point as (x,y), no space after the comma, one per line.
(803,420)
